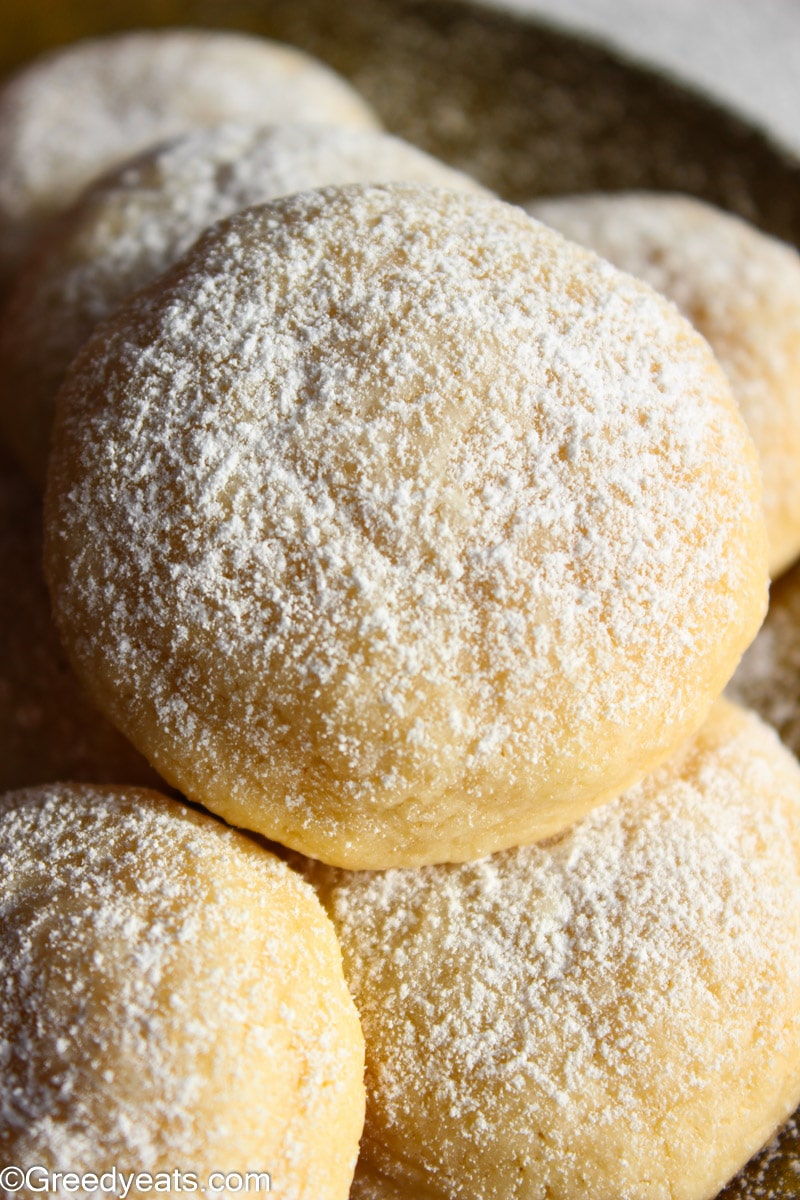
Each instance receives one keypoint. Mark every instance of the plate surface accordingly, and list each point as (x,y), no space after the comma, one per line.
(528,110)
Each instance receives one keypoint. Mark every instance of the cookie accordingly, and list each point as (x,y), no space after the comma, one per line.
(172,999)
(78,111)
(613,1013)
(395,527)
(741,290)
(136,221)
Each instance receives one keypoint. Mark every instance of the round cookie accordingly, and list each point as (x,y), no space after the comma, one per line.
(135,222)
(172,998)
(614,1013)
(392,525)
(768,677)
(49,730)
(79,110)
(741,290)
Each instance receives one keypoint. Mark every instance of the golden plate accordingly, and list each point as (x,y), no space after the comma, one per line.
(529,111)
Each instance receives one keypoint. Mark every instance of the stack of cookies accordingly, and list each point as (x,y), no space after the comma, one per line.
(390,526)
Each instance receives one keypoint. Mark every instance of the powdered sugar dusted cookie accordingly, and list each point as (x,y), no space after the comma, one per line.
(79,110)
(613,1013)
(172,999)
(741,290)
(139,219)
(49,729)
(396,527)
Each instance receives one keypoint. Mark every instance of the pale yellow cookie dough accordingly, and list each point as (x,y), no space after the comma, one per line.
(79,110)
(49,730)
(613,1014)
(396,527)
(136,221)
(741,290)
(172,998)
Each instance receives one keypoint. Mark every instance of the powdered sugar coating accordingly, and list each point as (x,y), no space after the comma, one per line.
(136,221)
(79,110)
(400,529)
(172,998)
(615,1012)
(741,290)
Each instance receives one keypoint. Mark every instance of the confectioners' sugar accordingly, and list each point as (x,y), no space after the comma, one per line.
(388,507)
(611,1013)
(136,221)
(172,998)
(741,290)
